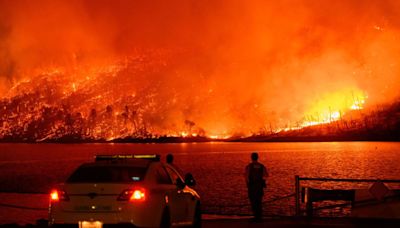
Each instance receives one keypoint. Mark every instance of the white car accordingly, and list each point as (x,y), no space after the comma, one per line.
(131,190)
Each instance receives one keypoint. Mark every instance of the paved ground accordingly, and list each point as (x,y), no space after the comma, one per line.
(301,222)
(288,222)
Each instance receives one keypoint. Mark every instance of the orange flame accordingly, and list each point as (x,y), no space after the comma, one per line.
(96,70)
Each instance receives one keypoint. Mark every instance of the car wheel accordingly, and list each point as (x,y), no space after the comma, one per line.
(165,219)
(197,217)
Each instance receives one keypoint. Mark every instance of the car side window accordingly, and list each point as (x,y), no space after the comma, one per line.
(162,176)
(172,174)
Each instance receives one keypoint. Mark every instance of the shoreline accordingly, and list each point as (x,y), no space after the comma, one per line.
(280,137)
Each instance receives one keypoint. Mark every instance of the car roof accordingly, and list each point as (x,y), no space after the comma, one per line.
(143,163)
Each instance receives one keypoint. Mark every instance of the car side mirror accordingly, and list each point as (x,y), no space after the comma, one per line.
(189,180)
(179,183)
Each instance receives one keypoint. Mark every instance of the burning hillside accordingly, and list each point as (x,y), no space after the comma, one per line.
(105,70)
(106,103)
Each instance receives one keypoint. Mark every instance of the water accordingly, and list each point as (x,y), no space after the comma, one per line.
(217,167)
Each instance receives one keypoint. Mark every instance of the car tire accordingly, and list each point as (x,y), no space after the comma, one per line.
(165,219)
(197,217)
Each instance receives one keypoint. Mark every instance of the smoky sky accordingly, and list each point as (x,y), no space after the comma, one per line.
(252,62)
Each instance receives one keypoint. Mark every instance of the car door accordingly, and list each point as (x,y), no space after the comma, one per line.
(182,197)
(176,201)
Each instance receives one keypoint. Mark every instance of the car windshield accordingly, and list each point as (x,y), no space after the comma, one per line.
(107,174)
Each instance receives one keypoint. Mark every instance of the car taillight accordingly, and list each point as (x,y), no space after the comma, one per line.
(133,195)
(58,195)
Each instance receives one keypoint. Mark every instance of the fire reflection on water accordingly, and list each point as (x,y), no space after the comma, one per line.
(217,167)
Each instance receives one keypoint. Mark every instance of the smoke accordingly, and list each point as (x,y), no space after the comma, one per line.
(232,66)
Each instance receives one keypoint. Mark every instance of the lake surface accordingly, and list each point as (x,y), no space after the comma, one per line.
(217,167)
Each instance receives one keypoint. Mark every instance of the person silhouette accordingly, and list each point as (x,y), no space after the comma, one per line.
(255,175)
(170,159)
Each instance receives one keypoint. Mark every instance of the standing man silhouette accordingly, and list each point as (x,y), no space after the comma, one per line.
(170,159)
(255,180)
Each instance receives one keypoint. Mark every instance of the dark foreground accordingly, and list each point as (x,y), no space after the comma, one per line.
(272,222)
(302,222)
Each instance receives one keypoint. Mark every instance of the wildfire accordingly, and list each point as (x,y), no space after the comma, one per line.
(358,105)
(93,70)
(333,106)
(222,136)
(48,108)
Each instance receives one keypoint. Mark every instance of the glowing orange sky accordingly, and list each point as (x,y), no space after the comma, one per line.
(229,66)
